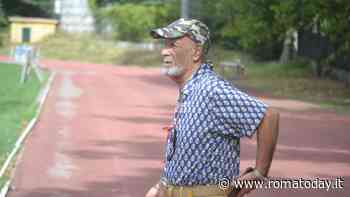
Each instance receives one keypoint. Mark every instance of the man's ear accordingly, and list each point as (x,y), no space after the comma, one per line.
(197,53)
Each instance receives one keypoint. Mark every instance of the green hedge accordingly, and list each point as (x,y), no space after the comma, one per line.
(134,21)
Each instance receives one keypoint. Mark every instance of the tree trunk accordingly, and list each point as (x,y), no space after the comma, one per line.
(289,47)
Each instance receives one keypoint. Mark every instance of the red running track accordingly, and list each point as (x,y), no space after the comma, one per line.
(100,135)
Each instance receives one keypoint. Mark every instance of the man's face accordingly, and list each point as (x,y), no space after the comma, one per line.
(177,56)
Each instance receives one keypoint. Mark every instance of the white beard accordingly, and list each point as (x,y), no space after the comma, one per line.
(172,71)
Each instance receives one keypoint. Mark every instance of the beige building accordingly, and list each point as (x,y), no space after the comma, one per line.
(31,30)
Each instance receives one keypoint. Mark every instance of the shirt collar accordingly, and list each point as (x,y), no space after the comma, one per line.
(203,68)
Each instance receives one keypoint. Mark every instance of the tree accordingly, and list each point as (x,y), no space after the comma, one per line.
(28,8)
(2,16)
(134,21)
(328,20)
(262,26)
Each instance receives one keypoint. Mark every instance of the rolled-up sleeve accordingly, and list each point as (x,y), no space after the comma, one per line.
(236,113)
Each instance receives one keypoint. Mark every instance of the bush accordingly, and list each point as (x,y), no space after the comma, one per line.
(2,17)
(3,28)
(134,21)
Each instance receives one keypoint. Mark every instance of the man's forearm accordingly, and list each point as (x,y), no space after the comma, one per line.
(266,141)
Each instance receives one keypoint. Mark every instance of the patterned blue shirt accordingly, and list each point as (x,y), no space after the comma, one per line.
(211,116)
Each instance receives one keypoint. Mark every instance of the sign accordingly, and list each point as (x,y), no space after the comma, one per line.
(27,56)
(21,53)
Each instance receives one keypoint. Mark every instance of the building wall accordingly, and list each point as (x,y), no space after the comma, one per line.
(38,30)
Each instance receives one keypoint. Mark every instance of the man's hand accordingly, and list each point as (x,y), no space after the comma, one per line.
(155,191)
(249,175)
(246,190)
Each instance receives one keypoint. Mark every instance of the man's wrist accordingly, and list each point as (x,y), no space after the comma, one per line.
(257,173)
(261,171)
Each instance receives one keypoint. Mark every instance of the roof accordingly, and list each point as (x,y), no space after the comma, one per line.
(33,20)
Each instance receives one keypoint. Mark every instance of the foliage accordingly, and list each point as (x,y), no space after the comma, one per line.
(260,26)
(335,25)
(3,24)
(79,47)
(102,3)
(329,19)
(140,57)
(46,5)
(254,25)
(294,81)
(74,47)
(223,13)
(2,17)
(241,24)
(28,8)
(134,21)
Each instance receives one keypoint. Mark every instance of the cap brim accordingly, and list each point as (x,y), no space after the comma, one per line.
(154,33)
(166,33)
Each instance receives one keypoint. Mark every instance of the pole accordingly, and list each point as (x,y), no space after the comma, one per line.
(185,8)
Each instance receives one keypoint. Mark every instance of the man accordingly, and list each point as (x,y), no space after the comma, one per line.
(210,118)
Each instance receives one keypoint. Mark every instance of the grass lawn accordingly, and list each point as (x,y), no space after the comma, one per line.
(2,181)
(295,81)
(17,106)
(89,48)
(80,47)
(93,49)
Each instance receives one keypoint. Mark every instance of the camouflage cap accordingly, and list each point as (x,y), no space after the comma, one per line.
(197,30)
